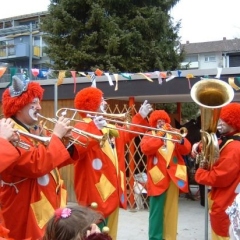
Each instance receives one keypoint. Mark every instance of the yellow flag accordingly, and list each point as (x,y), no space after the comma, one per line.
(61,77)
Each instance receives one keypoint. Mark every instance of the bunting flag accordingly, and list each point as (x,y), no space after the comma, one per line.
(232,83)
(179,73)
(109,79)
(189,76)
(116,79)
(74,80)
(98,72)
(35,72)
(2,71)
(93,80)
(170,78)
(219,71)
(61,76)
(127,75)
(144,75)
(82,73)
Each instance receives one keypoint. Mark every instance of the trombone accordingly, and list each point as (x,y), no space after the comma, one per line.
(100,139)
(179,133)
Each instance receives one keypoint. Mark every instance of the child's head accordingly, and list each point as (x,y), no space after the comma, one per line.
(71,223)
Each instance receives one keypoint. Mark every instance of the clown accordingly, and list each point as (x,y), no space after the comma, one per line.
(99,175)
(166,174)
(31,188)
(224,175)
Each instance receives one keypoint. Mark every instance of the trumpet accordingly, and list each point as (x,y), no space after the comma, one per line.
(19,143)
(179,133)
(100,139)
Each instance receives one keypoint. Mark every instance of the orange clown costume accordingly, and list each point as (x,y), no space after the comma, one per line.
(9,154)
(224,176)
(167,174)
(31,188)
(100,172)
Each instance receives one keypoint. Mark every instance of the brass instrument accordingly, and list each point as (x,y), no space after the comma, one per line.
(126,117)
(100,139)
(211,95)
(179,133)
(21,144)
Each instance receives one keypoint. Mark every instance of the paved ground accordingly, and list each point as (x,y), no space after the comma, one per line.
(133,225)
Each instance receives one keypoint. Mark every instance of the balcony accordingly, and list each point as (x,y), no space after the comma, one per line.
(20,50)
(189,65)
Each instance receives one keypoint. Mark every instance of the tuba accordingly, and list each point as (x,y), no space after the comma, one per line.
(211,95)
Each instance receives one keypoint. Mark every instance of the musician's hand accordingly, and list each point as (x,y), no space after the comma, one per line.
(62,127)
(203,164)
(6,129)
(166,127)
(145,109)
(100,122)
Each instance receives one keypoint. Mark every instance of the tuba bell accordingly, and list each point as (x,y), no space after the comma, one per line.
(211,95)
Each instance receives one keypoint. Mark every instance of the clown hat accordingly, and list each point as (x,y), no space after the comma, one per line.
(19,95)
(158,115)
(88,99)
(230,114)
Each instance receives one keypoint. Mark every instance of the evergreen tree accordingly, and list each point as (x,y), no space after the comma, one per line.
(113,35)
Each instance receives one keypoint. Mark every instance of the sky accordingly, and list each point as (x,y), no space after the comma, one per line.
(201,20)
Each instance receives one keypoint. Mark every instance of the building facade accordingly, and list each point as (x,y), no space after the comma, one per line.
(215,54)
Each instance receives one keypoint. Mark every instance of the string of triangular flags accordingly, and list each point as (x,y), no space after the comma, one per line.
(92,76)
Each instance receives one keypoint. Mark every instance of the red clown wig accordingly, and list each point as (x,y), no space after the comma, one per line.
(88,99)
(11,105)
(230,114)
(158,115)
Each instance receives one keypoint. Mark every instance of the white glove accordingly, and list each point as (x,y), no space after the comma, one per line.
(145,109)
(100,122)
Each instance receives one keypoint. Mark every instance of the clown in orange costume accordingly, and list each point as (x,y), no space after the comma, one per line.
(99,175)
(9,154)
(167,174)
(31,188)
(224,175)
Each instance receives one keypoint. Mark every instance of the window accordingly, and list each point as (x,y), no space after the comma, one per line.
(191,58)
(210,59)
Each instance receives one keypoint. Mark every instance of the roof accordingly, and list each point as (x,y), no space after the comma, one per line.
(224,45)
(25,16)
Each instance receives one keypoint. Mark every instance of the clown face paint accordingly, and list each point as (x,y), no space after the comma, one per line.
(34,107)
(28,114)
(103,106)
(160,123)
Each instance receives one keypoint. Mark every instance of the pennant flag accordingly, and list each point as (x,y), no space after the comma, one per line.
(109,79)
(179,73)
(61,77)
(144,75)
(189,76)
(98,72)
(219,71)
(126,75)
(82,73)
(93,80)
(35,72)
(159,77)
(232,83)
(116,79)
(74,80)
(170,78)
(2,71)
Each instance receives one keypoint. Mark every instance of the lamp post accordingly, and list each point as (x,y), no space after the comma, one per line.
(30,51)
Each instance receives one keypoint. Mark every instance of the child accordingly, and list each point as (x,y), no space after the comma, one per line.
(75,223)
(234,216)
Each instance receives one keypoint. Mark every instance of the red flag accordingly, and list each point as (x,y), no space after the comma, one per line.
(74,80)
